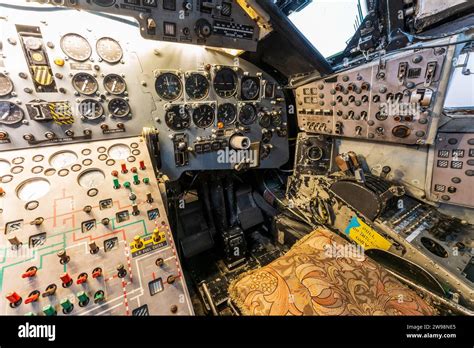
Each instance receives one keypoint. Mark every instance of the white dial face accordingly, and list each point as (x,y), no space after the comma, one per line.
(63,159)
(33,189)
(4,167)
(119,151)
(91,178)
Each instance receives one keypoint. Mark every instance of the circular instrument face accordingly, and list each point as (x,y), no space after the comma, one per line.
(76,47)
(119,107)
(6,85)
(315,153)
(33,189)
(10,113)
(91,178)
(168,86)
(226,113)
(177,117)
(197,86)
(264,120)
(225,82)
(250,88)
(247,114)
(91,109)
(109,50)
(203,116)
(85,83)
(114,84)
(62,159)
(119,151)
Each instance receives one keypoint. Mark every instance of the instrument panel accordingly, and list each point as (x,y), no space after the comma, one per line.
(86,84)
(219,23)
(391,99)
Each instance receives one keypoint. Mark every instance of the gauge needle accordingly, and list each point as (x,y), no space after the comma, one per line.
(116,110)
(113,86)
(84,85)
(5,115)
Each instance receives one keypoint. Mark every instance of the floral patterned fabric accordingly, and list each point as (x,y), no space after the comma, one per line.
(306,281)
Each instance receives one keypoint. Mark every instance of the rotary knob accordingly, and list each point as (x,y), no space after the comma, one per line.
(203,28)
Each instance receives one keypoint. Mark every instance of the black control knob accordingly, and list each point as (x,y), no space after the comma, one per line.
(203,28)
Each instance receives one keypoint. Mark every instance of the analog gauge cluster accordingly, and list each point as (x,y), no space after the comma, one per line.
(77,48)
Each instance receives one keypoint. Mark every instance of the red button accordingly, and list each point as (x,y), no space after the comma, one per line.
(13,297)
(133,169)
(66,278)
(114,173)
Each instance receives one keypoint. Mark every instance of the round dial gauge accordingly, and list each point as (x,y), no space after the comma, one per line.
(168,86)
(33,189)
(91,178)
(225,82)
(197,86)
(250,88)
(114,84)
(264,120)
(85,83)
(32,43)
(247,114)
(203,116)
(10,113)
(63,159)
(76,47)
(91,109)
(226,113)
(315,153)
(109,50)
(119,107)
(6,85)
(119,151)
(177,117)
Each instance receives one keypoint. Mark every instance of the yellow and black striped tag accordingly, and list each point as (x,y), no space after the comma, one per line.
(42,75)
(61,113)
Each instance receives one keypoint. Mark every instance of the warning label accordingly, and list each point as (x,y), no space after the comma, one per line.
(364,235)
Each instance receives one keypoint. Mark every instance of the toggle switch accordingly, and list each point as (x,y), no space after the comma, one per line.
(138,242)
(49,310)
(146,181)
(156,235)
(97,272)
(32,297)
(142,165)
(99,296)
(15,242)
(63,257)
(14,298)
(116,184)
(123,166)
(81,278)
(136,181)
(83,298)
(121,271)
(30,272)
(93,248)
(171,279)
(135,210)
(66,305)
(66,279)
(50,290)
(149,197)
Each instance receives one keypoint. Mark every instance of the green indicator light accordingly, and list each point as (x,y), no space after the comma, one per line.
(136,181)
(116,184)
(146,180)
(126,184)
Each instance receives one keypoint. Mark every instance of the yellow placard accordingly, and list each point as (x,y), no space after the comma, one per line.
(366,236)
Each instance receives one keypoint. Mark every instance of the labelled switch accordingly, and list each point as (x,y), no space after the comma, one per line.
(66,280)
(121,271)
(50,290)
(14,299)
(81,278)
(49,310)
(93,248)
(30,272)
(63,257)
(32,297)
(67,305)
(97,272)
(124,169)
(142,165)
(83,298)
(138,242)
(149,197)
(135,210)
(99,296)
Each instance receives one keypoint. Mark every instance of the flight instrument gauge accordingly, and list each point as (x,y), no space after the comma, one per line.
(250,88)
(10,113)
(277,120)
(226,113)
(63,159)
(114,84)
(177,117)
(6,85)
(197,86)
(225,82)
(109,50)
(247,114)
(264,119)
(76,47)
(91,178)
(168,86)
(85,83)
(91,109)
(119,107)
(203,116)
